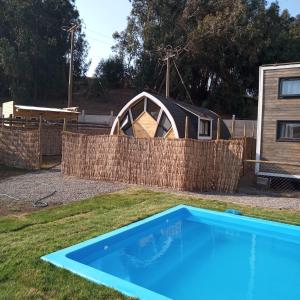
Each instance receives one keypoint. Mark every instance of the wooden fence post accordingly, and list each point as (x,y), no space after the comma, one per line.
(218,128)
(244,148)
(40,142)
(233,126)
(65,125)
(253,129)
(186,129)
(10,121)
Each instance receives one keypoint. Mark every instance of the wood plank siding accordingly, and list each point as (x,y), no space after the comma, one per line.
(144,126)
(273,110)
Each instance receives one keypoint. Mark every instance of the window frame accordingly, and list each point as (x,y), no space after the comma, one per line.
(280,139)
(201,136)
(280,85)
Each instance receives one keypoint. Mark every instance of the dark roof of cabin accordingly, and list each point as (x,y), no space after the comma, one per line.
(197,110)
(179,110)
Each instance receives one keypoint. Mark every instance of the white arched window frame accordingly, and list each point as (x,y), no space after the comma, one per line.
(137,99)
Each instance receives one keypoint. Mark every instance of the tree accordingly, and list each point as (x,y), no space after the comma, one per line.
(111,72)
(224,43)
(34,48)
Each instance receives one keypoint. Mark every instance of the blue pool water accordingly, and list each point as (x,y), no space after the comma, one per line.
(187,253)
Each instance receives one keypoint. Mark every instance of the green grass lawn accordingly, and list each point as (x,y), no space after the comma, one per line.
(25,238)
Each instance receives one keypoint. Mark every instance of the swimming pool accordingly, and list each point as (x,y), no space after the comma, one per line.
(187,253)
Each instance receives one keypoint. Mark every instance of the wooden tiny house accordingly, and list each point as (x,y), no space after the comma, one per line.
(33,113)
(278,130)
(148,116)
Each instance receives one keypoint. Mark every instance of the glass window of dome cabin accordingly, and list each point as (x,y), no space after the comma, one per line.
(204,128)
(126,125)
(152,109)
(137,109)
(164,126)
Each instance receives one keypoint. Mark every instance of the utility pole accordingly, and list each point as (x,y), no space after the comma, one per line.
(168,78)
(71,30)
(169,54)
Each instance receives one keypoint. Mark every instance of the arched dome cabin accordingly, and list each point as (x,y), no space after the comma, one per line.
(148,116)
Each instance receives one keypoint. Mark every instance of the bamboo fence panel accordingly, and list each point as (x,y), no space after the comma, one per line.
(51,139)
(182,164)
(20,148)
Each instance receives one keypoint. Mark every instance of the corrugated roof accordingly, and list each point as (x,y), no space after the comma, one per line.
(45,109)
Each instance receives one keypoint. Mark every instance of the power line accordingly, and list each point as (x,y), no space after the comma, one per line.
(157,78)
(182,81)
(97,40)
(98,33)
(168,53)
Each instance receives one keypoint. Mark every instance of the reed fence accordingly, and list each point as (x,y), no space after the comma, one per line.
(183,164)
(50,131)
(51,139)
(20,148)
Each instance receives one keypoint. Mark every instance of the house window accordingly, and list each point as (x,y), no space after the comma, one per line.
(163,126)
(137,109)
(126,125)
(153,109)
(289,87)
(204,128)
(288,130)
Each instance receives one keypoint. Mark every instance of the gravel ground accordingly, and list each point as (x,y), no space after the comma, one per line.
(32,186)
(248,199)
(35,185)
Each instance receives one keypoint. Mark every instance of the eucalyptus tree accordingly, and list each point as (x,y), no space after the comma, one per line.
(223,44)
(34,48)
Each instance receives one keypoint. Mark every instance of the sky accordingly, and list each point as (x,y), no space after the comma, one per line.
(103,17)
